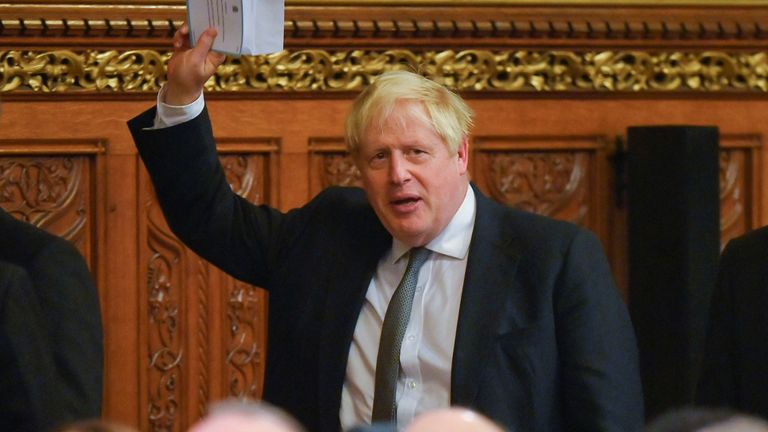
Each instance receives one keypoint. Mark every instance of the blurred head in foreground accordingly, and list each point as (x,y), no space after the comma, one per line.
(706,420)
(246,416)
(452,420)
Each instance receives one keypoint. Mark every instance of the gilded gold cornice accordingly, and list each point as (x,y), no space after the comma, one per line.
(480,30)
(494,3)
(468,70)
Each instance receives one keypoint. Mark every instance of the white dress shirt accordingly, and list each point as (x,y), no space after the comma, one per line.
(427,351)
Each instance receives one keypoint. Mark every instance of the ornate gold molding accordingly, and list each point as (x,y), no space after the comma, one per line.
(408,29)
(469,70)
(351,70)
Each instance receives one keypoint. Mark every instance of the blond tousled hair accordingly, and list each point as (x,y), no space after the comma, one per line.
(449,115)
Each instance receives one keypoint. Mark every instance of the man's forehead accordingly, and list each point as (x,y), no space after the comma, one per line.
(399,115)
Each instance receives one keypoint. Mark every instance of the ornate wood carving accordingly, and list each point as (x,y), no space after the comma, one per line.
(245,350)
(39,188)
(471,70)
(49,184)
(202,340)
(165,313)
(330,165)
(173,272)
(550,183)
(550,175)
(739,175)
(248,175)
(474,21)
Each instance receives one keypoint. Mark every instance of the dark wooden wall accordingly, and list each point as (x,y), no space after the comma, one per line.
(554,85)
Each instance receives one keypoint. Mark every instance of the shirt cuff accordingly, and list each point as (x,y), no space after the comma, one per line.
(171,115)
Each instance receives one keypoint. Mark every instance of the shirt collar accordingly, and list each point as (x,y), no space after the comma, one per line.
(454,240)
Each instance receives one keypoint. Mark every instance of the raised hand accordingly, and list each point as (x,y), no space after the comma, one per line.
(189,68)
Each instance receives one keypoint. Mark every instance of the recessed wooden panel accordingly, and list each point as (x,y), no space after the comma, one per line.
(204,332)
(330,165)
(556,176)
(53,184)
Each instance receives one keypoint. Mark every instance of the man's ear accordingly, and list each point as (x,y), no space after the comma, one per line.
(463,155)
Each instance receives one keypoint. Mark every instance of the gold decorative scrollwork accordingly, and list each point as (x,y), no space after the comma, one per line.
(63,70)
(351,70)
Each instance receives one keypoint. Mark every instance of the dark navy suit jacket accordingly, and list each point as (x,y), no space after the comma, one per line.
(51,343)
(544,341)
(734,373)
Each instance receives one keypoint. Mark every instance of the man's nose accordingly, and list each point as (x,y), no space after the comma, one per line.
(398,169)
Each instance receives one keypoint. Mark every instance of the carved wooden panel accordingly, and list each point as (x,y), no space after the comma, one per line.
(244,323)
(330,165)
(557,176)
(51,184)
(740,193)
(205,332)
(165,308)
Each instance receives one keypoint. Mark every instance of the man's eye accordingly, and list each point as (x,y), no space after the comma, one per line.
(378,159)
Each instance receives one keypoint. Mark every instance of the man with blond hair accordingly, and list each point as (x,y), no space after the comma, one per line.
(413,293)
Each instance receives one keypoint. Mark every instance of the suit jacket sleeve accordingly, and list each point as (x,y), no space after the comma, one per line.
(244,240)
(601,385)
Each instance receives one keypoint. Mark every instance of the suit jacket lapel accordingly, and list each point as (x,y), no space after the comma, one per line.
(489,278)
(347,286)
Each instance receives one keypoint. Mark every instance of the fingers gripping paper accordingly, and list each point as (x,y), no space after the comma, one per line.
(245,27)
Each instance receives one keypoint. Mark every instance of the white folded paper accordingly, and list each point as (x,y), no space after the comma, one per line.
(245,27)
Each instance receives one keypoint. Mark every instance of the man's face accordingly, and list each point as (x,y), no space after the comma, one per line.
(413,181)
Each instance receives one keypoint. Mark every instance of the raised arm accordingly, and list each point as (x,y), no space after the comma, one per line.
(190,183)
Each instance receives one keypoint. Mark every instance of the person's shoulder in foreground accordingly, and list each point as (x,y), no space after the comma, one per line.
(733,373)
(70,320)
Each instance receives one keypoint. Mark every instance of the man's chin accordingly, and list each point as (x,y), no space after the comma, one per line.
(411,237)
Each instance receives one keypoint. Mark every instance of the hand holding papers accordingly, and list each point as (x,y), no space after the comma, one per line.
(245,27)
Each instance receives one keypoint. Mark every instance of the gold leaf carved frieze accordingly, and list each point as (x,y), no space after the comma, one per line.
(63,70)
(351,70)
